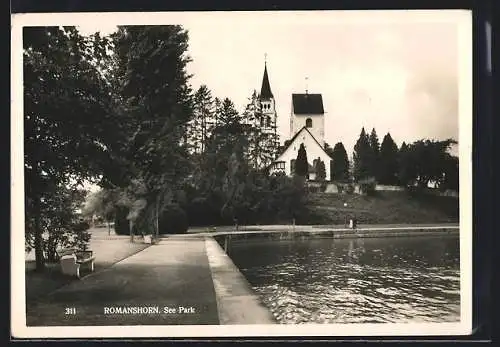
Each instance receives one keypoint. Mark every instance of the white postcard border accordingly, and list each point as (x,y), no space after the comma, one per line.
(18,302)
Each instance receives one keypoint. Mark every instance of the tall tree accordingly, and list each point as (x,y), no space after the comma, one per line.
(374,154)
(405,165)
(431,158)
(217,112)
(320,170)
(203,119)
(340,163)
(227,137)
(426,161)
(362,157)
(100,203)
(67,115)
(228,115)
(263,141)
(451,174)
(388,168)
(158,95)
(301,163)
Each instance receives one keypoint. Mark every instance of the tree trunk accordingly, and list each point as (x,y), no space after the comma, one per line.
(131,224)
(157,222)
(40,260)
(109,228)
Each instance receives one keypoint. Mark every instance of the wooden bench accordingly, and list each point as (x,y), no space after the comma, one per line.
(72,260)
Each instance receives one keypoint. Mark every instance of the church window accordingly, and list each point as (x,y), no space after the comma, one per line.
(292,165)
(309,123)
(261,121)
(268,121)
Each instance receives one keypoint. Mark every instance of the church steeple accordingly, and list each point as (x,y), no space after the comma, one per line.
(265,90)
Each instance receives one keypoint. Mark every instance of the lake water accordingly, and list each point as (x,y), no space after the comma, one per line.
(361,280)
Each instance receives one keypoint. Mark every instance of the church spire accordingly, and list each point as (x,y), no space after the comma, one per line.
(265,91)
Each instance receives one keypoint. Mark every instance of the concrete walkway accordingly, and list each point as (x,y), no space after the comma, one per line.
(160,279)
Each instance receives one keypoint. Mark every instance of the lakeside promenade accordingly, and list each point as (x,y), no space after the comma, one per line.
(190,271)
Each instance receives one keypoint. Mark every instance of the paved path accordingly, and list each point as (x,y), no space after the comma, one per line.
(171,274)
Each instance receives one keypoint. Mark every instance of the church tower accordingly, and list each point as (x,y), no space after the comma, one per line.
(307,111)
(267,105)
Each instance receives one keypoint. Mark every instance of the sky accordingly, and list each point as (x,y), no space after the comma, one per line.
(397,72)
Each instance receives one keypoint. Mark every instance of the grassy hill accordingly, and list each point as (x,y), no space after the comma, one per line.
(384,207)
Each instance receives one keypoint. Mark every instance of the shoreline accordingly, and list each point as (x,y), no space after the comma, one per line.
(301,231)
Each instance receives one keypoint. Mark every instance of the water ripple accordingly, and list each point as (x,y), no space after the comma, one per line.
(354,281)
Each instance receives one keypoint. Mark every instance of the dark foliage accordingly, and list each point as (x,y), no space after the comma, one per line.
(388,168)
(362,157)
(340,164)
(173,220)
(301,163)
(367,186)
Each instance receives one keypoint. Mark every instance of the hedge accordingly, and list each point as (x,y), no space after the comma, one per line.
(173,220)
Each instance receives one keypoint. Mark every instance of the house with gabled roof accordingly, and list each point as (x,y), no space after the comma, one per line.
(307,124)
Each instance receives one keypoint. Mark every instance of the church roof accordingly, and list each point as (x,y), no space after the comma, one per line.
(296,135)
(265,90)
(307,104)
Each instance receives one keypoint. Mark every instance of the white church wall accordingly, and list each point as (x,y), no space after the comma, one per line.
(313,151)
(318,125)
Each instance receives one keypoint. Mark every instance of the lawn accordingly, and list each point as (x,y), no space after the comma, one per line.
(383,208)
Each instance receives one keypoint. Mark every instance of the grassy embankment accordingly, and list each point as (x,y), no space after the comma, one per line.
(385,207)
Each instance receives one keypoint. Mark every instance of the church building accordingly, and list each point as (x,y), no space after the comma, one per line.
(307,126)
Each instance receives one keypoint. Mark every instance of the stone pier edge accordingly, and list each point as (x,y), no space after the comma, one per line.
(237,303)
(346,232)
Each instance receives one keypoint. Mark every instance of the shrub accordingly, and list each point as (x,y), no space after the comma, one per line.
(173,220)
(204,211)
(81,237)
(121,222)
(349,188)
(322,187)
(368,186)
(313,189)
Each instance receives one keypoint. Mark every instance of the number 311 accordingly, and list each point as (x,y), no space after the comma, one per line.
(70,310)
